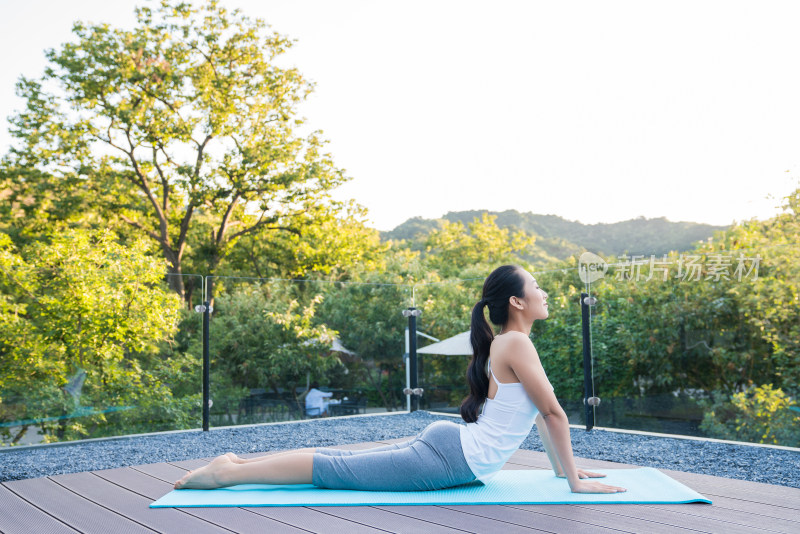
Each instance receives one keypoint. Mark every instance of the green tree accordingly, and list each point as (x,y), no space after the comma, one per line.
(769,299)
(454,248)
(330,246)
(366,310)
(187,114)
(82,305)
(263,338)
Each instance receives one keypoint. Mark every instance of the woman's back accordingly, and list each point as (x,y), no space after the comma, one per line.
(499,355)
(506,420)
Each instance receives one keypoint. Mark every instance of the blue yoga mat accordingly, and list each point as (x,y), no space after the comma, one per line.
(536,486)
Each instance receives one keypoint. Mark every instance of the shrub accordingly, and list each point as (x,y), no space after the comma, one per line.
(759,414)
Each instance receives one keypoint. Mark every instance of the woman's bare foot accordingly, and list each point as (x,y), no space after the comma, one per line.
(207,477)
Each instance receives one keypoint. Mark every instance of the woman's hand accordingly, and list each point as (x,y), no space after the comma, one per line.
(582,473)
(595,487)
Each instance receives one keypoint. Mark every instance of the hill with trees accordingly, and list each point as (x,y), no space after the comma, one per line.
(560,238)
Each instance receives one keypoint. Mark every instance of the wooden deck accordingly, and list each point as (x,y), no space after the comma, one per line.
(117,500)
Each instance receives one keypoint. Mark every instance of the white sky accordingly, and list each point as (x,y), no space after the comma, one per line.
(594,111)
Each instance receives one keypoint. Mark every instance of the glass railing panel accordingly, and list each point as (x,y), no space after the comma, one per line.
(559,341)
(272,341)
(701,343)
(446,310)
(368,321)
(444,350)
(93,353)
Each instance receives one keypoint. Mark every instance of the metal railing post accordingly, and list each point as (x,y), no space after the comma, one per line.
(414,391)
(589,400)
(206,364)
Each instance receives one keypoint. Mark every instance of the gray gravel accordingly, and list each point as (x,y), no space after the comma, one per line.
(758,464)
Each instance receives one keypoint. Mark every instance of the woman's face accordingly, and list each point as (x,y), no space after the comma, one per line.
(535,300)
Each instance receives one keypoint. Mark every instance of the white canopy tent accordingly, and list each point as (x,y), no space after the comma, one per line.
(338,347)
(457,345)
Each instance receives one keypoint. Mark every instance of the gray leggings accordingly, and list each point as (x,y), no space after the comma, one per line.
(432,460)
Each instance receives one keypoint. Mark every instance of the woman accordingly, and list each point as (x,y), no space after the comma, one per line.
(446,454)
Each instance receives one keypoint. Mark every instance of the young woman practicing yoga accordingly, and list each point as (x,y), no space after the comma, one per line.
(446,454)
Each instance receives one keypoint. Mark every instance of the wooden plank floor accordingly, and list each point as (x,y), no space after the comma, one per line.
(117,500)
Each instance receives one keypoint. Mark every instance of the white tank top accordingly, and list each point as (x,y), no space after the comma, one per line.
(504,423)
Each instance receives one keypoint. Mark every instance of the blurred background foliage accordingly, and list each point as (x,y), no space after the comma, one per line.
(121,183)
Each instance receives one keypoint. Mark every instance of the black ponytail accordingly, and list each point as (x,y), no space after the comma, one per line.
(503,283)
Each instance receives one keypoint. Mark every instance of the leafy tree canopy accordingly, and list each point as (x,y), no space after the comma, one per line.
(186,114)
(454,247)
(82,304)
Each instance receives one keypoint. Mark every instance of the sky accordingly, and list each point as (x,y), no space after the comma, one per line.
(593,111)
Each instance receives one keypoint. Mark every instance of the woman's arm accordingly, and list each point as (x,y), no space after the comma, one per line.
(524,361)
(548,447)
(557,426)
(541,426)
